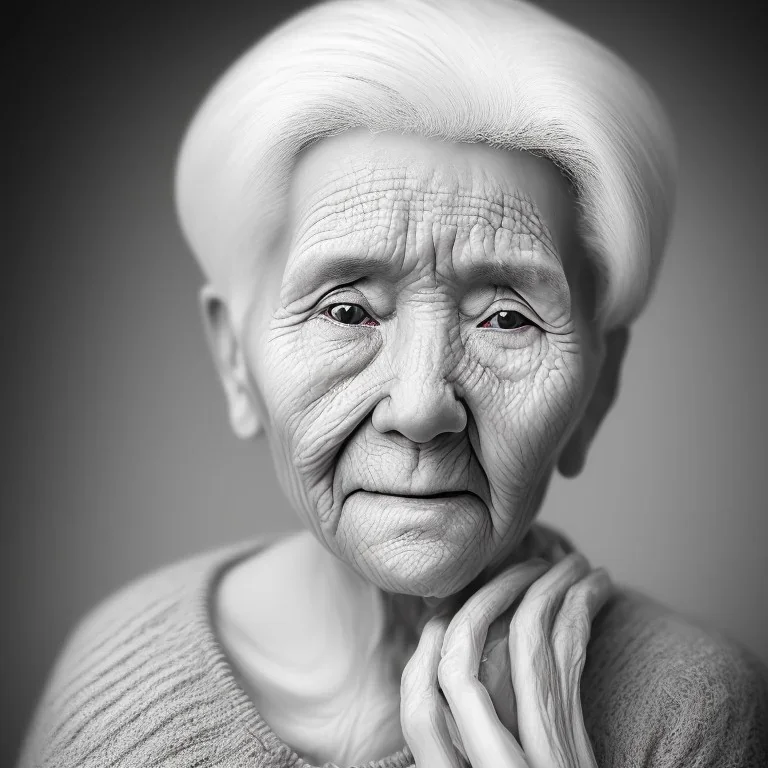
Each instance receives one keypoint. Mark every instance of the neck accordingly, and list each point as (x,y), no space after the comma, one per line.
(405,615)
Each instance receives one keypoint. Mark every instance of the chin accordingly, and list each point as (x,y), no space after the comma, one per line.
(417,570)
(415,546)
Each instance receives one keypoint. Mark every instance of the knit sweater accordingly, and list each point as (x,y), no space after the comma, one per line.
(143,681)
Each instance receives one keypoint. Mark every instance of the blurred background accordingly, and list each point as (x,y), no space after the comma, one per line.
(118,457)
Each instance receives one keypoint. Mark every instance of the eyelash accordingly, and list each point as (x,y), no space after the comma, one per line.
(526,322)
(327,313)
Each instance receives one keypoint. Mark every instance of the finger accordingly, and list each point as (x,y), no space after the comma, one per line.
(496,675)
(582,602)
(469,628)
(454,731)
(482,617)
(531,657)
(570,639)
(485,739)
(547,668)
(486,743)
(542,601)
(421,707)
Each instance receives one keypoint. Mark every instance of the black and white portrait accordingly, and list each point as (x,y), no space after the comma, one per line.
(385,386)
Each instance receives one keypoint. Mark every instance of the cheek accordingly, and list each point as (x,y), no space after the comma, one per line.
(316,379)
(523,402)
(304,365)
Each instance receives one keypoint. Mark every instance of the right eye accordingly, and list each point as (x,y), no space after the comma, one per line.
(349,314)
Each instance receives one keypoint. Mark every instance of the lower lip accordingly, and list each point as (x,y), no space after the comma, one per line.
(419,502)
(455,516)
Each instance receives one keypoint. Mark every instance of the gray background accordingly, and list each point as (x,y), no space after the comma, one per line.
(118,456)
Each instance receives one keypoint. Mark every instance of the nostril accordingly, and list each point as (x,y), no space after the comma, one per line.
(420,418)
(460,415)
(380,418)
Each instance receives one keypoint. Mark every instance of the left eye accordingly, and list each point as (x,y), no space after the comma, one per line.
(506,320)
(349,314)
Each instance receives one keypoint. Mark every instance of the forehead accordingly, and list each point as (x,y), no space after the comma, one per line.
(360,196)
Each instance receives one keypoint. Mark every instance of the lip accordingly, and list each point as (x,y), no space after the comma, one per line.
(437,495)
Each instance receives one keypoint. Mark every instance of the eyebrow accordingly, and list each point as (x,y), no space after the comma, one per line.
(537,279)
(323,270)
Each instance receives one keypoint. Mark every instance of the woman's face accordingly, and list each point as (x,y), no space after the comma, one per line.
(420,356)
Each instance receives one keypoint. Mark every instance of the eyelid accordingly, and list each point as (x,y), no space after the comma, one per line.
(507,304)
(337,289)
(529,324)
(332,298)
(344,295)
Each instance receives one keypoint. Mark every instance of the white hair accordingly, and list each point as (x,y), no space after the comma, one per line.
(501,72)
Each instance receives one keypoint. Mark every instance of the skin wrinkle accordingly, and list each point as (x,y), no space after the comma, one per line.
(429,247)
(414,201)
(431,238)
(514,212)
(341,249)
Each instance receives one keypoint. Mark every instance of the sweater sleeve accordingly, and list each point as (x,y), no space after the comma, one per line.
(660,692)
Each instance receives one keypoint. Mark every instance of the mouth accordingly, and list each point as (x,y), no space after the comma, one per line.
(409,495)
(440,495)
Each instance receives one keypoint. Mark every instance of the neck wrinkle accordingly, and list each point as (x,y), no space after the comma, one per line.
(406,615)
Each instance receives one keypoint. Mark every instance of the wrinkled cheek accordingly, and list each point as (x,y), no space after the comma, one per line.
(299,369)
(520,432)
(287,397)
(298,460)
(545,415)
(314,392)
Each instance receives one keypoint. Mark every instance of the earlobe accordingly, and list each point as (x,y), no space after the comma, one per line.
(571,460)
(230,363)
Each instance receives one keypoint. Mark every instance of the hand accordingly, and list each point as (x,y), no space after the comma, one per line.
(447,714)
(548,639)
(449,651)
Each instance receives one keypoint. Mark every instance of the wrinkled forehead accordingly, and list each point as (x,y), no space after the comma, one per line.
(363,196)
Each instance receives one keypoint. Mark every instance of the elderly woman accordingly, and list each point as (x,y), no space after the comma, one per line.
(426,228)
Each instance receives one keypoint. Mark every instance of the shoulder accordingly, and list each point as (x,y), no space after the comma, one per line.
(128,670)
(139,616)
(660,690)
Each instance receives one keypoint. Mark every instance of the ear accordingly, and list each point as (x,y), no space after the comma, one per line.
(230,363)
(574,454)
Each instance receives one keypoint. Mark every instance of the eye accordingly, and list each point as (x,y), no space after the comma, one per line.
(506,320)
(349,314)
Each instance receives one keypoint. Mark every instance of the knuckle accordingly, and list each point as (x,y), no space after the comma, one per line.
(573,626)
(570,638)
(418,717)
(580,561)
(449,672)
(536,610)
(604,585)
(432,635)
(576,601)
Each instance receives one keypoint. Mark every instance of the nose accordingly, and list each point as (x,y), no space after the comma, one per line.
(422,402)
